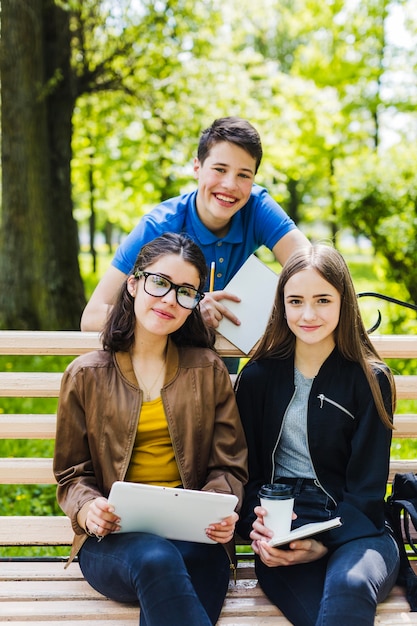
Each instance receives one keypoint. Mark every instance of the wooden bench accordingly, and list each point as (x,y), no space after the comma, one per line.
(39,590)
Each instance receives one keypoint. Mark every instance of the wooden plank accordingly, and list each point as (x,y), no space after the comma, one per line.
(13,342)
(254,620)
(69,343)
(29,591)
(97,610)
(30,471)
(14,609)
(48,342)
(35,530)
(87,609)
(30,384)
(395,346)
(396,619)
(85,622)
(33,471)
(29,426)
(50,571)
(406,387)
(43,426)
(55,571)
(47,385)
(405,425)
(223,621)
(37,584)
(402,466)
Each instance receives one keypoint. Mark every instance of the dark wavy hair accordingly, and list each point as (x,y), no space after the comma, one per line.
(234,130)
(119,330)
(351,337)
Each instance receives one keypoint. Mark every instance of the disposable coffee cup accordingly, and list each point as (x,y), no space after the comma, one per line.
(278,500)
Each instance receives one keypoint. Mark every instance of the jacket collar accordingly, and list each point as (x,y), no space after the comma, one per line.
(124,364)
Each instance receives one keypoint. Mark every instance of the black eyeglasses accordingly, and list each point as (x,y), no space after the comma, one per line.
(158,286)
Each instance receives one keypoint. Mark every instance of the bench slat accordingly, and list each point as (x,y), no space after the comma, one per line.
(30,471)
(48,342)
(27,426)
(401,467)
(34,471)
(406,387)
(39,570)
(76,342)
(55,571)
(47,384)
(35,530)
(30,384)
(26,591)
(382,620)
(33,576)
(45,610)
(396,346)
(405,425)
(87,622)
(42,426)
(223,621)
(72,343)
(81,600)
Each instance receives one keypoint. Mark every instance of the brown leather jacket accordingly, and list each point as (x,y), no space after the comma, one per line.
(98,412)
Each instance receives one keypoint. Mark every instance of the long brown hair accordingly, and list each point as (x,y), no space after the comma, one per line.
(350,335)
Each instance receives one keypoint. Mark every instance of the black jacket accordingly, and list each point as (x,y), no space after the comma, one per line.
(348,443)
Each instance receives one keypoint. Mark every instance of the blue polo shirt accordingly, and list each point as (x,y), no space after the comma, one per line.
(260,222)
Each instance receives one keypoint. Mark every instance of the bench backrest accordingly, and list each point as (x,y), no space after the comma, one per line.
(32,530)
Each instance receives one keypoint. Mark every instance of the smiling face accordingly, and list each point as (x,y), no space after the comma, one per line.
(163,315)
(225,182)
(312,308)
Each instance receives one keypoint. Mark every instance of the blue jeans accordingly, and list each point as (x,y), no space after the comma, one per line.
(342,588)
(175,582)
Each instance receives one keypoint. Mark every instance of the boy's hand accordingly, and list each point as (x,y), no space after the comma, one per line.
(213,310)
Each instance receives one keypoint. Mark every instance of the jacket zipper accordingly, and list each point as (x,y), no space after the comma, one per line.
(279,437)
(324,398)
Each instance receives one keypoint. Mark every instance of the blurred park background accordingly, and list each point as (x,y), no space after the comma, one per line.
(103,102)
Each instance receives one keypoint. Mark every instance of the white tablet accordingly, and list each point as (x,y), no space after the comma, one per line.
(182,514)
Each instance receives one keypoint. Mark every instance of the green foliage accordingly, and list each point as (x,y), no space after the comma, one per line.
(317,80)
(29,500)
(381,200)
(133,145)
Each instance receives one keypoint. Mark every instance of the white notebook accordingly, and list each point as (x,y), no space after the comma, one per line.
(307,530)
(255,284)
(181,514)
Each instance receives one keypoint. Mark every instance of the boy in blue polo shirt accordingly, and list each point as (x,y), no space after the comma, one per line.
(228,216)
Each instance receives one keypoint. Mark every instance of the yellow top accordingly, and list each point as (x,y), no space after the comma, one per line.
(153,459)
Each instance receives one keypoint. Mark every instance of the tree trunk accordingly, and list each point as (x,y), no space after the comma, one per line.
(40,282)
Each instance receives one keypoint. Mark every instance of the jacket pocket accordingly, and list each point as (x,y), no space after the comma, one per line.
(324,399)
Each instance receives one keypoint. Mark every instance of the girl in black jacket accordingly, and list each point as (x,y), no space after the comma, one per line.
(317,403)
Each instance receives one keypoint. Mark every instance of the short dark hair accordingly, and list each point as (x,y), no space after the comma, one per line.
(234,130)
(119,330)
